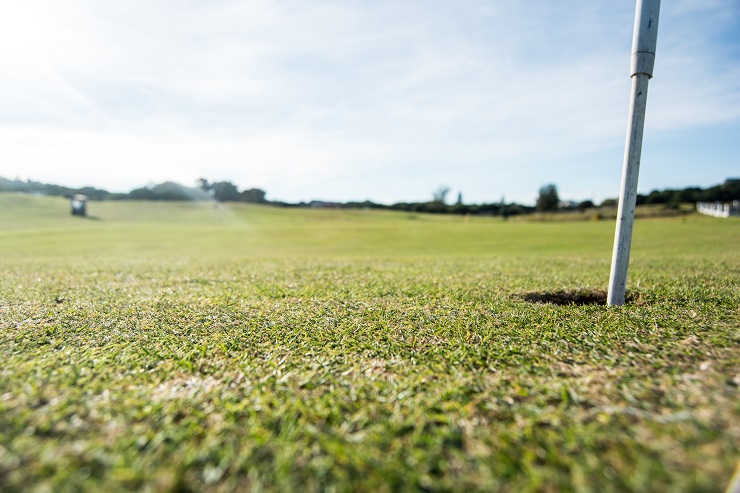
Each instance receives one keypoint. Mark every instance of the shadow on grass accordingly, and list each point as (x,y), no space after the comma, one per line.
(566,298)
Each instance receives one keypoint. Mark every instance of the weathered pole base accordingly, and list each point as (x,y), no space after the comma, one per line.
(628,192)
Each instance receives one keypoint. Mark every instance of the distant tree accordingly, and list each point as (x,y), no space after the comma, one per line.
(440,194)
(162,191)
(516,209)
(659,197)
(171,191)
(254,196)
(729,190)
(203,184)
(225,191)
(548,199)
(366,204)
(29,186)
(141,194)
(586,204)
(459,207)
(608,203)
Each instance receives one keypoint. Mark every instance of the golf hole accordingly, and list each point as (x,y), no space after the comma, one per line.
(576,297)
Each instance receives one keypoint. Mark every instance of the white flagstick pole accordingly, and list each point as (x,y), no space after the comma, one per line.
(641,70)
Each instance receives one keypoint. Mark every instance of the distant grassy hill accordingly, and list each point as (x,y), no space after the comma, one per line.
(43,224)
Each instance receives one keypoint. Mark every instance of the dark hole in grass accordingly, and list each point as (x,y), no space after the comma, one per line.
(582,297)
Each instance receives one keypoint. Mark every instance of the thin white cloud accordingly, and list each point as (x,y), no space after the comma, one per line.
(380,100)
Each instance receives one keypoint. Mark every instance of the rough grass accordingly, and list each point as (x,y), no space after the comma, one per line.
(177,347)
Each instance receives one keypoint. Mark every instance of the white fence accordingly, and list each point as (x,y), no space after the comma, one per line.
(719,209)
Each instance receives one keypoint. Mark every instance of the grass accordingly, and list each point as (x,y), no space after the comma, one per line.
(182,347)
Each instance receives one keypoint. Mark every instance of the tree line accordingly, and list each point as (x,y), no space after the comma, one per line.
(726,192)
(226,191)
(223,191)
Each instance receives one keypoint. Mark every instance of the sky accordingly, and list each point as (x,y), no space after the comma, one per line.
(385,100)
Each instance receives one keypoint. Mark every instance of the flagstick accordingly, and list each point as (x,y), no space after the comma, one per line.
(641,70)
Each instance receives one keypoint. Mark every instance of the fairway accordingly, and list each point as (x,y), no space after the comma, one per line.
(196,346)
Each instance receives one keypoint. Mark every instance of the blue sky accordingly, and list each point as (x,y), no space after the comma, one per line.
(352,100)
